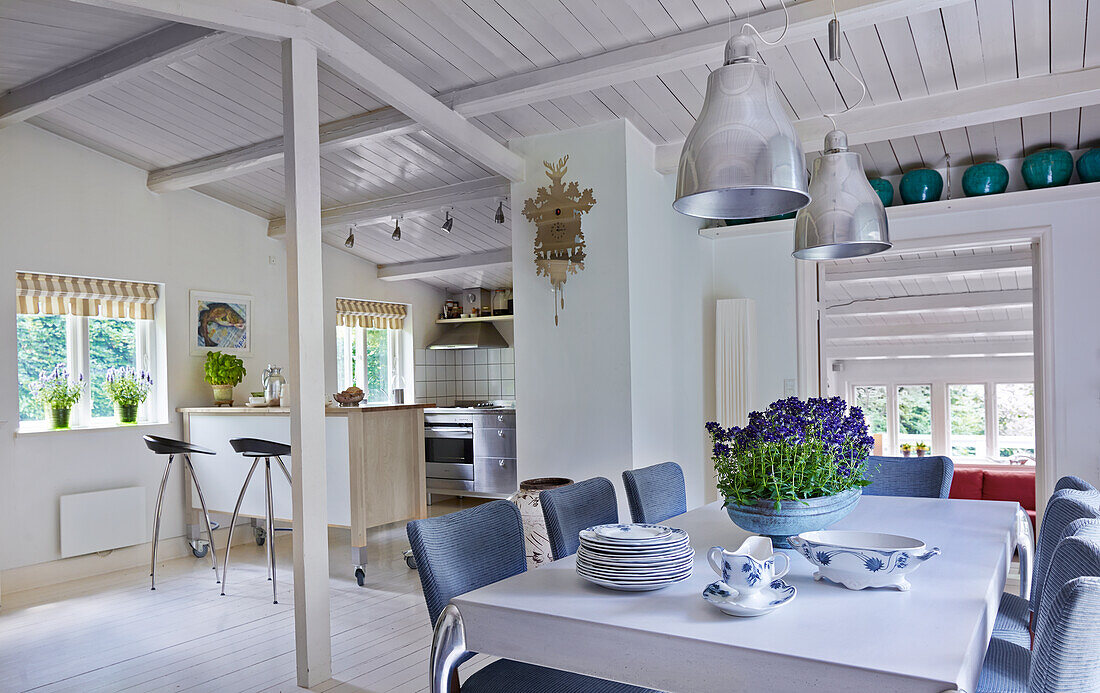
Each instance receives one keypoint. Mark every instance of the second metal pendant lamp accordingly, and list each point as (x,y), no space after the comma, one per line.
(743,158)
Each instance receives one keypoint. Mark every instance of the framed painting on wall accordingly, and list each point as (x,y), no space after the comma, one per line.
(220,322)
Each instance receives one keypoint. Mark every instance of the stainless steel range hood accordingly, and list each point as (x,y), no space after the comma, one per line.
(471,335)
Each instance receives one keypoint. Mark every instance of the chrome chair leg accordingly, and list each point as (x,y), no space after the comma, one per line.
(271,532)
(285,472)
(156,524)
(233,522)
(206,516)
(1025,546)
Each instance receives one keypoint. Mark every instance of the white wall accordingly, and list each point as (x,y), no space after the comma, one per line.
(760,267)
(618,383)
(66,209)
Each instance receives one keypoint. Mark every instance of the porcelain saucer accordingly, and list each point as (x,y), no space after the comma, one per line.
(725,598)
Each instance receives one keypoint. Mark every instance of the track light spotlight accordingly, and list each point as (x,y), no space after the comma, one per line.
(499,216)
(396,235)
(350,242)
(448,222)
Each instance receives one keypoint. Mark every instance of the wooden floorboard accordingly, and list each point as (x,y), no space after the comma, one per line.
(112,633)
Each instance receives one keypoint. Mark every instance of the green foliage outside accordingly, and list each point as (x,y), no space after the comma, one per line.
(915,409)
(374,345)
(967,404)
(41,346)
(872,400)
(111,344)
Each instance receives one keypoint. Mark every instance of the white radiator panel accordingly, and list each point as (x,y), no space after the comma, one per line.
(103,520)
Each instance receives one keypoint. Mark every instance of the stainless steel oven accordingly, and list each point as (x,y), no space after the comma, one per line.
(449,451)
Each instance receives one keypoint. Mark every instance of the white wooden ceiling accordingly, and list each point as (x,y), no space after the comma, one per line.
(229,95)
(984,307)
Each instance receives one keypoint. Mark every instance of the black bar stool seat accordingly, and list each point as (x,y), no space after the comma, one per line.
(171,447)
(258,449)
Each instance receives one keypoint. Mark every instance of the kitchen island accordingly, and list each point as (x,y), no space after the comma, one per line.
(374,463)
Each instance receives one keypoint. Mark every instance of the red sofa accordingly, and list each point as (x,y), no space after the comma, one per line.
(996,482)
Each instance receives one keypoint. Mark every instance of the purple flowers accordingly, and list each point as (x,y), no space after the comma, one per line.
(56,389)
(127,386)
(792,450)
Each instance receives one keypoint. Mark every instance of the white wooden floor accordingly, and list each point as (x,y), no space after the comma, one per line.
(112,633)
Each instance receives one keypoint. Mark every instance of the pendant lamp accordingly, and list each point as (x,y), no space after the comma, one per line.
(846,217)
(742,159)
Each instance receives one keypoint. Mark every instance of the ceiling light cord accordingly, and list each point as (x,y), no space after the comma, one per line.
(834,57)
(786,25)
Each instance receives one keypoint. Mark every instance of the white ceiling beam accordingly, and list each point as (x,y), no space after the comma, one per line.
(381,209)
(273,20)
(105,69)
(688,49)
(981,328)
(439,266)
(900,268)
(932,350)
(987,103)
(1018,298)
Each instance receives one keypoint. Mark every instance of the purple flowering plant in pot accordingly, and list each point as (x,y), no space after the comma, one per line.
(797,466)
(128,387)
(57,392)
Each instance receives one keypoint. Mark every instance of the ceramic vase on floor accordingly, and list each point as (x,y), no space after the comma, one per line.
(534,522)
(1047,168)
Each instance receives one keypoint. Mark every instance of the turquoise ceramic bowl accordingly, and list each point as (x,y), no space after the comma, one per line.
(987,178)
(1088,166)
(793,517)
(921,185)
(1047,168)
(884,189)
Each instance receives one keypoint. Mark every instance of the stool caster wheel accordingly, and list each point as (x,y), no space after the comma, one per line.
(360,576)
(410,559)
(260,534)
(199,550)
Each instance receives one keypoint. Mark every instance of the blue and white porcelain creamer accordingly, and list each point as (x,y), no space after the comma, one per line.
(750,568)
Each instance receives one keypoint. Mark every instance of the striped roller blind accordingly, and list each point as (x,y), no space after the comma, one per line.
(55,294)
(376,314)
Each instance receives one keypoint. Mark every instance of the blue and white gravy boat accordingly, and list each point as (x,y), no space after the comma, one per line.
(749,569)
(859,560)
(727,599)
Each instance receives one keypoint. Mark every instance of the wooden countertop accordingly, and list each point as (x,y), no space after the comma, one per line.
(276,411)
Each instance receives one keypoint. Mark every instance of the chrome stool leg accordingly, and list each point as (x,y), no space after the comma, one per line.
(233,523)
(270,531)
(156,524)
(205,515)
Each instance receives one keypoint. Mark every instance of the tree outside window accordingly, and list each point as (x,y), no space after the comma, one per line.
(914,414)
(966,404)
(1016,421)
(42,343)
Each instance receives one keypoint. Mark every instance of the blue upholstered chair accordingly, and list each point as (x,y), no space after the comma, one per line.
(918,477)
(655,493)
(569,509)
(1014,613)
(1074,482)
(1067,629)
(475,547)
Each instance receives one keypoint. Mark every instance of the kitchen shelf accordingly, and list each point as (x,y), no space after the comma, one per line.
(486,318)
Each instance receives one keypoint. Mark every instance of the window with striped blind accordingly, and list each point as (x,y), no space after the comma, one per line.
(85,326)
(369,345)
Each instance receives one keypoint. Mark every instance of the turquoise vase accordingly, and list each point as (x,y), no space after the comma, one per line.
(1088,166)
(1047,168)
(986,178)
(921,185)
(884,189)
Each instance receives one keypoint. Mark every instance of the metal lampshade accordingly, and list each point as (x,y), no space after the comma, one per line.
(743,159)
(846,217)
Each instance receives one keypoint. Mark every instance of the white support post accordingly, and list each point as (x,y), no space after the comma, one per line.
(305,301)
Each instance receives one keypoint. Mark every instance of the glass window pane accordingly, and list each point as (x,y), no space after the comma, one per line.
(1016,422)
(377,351)
(111,344)
(966,404)
(42,344)
(872,400)
(342,366)
(914,414)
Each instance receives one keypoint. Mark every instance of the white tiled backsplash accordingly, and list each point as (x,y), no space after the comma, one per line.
(444,375)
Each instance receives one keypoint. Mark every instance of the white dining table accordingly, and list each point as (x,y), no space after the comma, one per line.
(932,638)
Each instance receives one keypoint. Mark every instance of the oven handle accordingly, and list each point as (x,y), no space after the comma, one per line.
(455,433)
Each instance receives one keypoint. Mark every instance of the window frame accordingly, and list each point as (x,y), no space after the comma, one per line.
(78,361)
(357,334)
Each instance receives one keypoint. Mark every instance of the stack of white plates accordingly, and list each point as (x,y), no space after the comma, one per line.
(634,557)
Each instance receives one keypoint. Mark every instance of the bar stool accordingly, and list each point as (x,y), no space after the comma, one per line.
(265,450)
(170,447)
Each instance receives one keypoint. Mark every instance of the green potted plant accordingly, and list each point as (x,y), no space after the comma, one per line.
(128,388)
(796,467)
(922,449)
(58,393)
(906,448)
(223,371)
